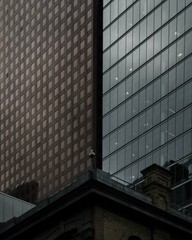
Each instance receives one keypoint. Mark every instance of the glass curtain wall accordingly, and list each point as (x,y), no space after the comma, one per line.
(147,90)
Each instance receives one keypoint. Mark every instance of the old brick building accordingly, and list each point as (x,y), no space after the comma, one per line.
(98,208)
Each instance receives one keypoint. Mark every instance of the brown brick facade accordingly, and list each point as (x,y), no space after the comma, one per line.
(48,74)
(117,227)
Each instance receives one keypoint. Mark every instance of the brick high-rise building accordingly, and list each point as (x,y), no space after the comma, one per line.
(49,88)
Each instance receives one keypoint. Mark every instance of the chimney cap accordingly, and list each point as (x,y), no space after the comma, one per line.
(157,168)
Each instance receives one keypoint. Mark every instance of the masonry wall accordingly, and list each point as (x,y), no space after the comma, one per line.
(47,88)
(117,227)
(109,225)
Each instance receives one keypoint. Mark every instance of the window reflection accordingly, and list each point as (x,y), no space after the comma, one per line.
(148,81)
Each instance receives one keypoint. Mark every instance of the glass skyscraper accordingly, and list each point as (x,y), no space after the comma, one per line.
(147,91)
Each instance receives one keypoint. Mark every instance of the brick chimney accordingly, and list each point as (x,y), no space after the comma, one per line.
(157,185)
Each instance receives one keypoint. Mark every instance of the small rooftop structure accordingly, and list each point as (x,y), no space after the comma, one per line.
(95,207)
(12,207)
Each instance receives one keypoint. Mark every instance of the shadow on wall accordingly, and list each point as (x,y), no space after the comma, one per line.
(26,191)
(134,238)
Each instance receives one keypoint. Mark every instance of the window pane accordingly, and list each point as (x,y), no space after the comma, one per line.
(180,49)
(165,12)
(121,48)
(165,36)
(163,133)
(156,114)
(172,55)
(122,26)
(179,124)
(113,142)
(122,5)
(156,138)
(179,99)
(187,94)
(180,24)
(113,57)
(164,85)
(121,92)
(113,120)
(157,42)
(180,74)
(106,38)
(142,146)
(150,24)
(172,79)
(142,30)
(187,144)
(129,87)
(128,132)
(136,12)
(121,137)
(106,82)
(114,32)
(143,8)
(164,61)
(114,76)
(173,8)
(172,30)
(163,156)
(106,16)
(105,146)
(157,17)
(171,151)
(142,123)
(179,148)
(150,48)
(149,142)
(114,10)
(135,128)
(135,82)
(150,5)
(105,104)
(121,114)
(143,53)
(164,109)
(121,159)
(129,41)
(157,64)
(121,70)
(135,151)
(188,68)
(188,17)
(187,119)
(135,105)
(172,107)
(113,163)
(135,36)
(128,109)
(113,97)
(129,19)
(106,60)
(171,129)
(105,125)
(142,100)
(188,43)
